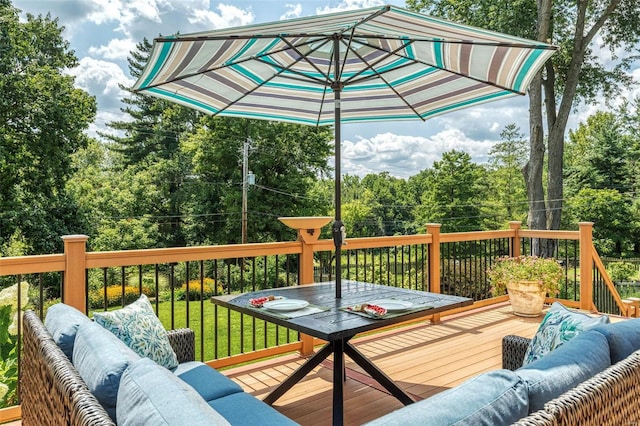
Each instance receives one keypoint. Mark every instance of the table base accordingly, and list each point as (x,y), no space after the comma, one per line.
(339,348)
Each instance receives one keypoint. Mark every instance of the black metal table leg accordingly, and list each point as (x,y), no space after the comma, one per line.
(338,381)
(297,375)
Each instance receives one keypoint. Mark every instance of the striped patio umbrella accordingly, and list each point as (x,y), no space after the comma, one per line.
(383,63)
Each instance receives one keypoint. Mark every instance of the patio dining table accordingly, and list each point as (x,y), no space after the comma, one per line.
(337,321)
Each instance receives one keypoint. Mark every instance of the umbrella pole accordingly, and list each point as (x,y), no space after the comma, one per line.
(338,226)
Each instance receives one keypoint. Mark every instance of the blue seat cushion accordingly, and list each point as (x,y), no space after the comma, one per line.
(623,338)
(244,409)
(151,395)
(564,368)
(101,358)
(207,381)
(62,322)
(495,398)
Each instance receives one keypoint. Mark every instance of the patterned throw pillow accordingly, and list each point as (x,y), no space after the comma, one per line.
(559,326)
(140,329)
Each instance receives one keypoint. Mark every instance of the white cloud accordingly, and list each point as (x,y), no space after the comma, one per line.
(294,11)
(101,79)
(349,5)
(117,48)
(405,156)
(228,16)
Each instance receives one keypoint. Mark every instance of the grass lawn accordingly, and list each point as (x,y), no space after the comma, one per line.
(225,333)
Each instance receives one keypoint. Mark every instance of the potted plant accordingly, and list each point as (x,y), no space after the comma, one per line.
(527,279)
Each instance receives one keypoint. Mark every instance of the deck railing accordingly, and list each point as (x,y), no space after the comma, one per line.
(181,280)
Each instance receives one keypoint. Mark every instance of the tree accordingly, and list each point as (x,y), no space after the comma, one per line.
(576,73)
(285,158)
(42,119)
(454,194)
(598,155)
(608,209)
(151,144)
(507,196)
(390,195)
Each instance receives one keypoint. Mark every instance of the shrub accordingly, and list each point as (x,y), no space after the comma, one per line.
(114,296)
(9,312)
(209,288)
(621,271)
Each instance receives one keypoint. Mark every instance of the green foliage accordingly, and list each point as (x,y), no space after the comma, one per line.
(507,197)
(610,211)
(43,120)
(546,271)
(9,311)
(621,271)
(453,194)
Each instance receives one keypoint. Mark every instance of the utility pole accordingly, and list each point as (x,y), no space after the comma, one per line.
(245,172)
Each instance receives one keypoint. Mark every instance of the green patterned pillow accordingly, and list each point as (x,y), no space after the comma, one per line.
(559,326)
(140,329)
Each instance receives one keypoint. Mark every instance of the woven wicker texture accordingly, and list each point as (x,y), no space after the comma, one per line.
(183,343)
(513,350)
(51,390)
(609,398)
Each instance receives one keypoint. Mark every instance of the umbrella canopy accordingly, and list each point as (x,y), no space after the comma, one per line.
(383,63)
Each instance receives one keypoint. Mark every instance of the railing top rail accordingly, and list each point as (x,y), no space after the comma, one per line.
(558,235)
(184,254)
(476,235)
(32,264)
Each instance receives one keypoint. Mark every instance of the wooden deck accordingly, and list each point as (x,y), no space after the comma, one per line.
(423,359)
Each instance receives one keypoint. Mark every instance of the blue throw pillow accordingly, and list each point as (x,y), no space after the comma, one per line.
(559,326)
(494,398)
(565,368)
(101,358)
(151,395)
(62,322)
(140,329)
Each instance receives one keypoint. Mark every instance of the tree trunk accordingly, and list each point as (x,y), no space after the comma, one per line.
(533,169)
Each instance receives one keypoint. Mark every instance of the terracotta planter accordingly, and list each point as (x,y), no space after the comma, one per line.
(527,299)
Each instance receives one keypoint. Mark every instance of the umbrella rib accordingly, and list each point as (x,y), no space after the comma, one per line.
(380,75)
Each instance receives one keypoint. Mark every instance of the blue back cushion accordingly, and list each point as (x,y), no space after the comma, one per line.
(494,398)
(623,338)
(62,322)
(567,366)
(151,395)
(101,358)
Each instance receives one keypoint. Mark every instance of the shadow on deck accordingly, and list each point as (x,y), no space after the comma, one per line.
(423,359)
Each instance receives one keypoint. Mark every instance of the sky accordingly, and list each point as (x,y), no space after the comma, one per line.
(103,32)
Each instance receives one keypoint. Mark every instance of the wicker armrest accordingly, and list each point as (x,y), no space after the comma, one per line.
(513,350)
(183,342)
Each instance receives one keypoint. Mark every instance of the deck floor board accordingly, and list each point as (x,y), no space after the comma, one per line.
(423,359)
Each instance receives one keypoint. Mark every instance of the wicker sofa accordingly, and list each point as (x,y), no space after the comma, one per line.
(53,392)
(611,397)
(591,379)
